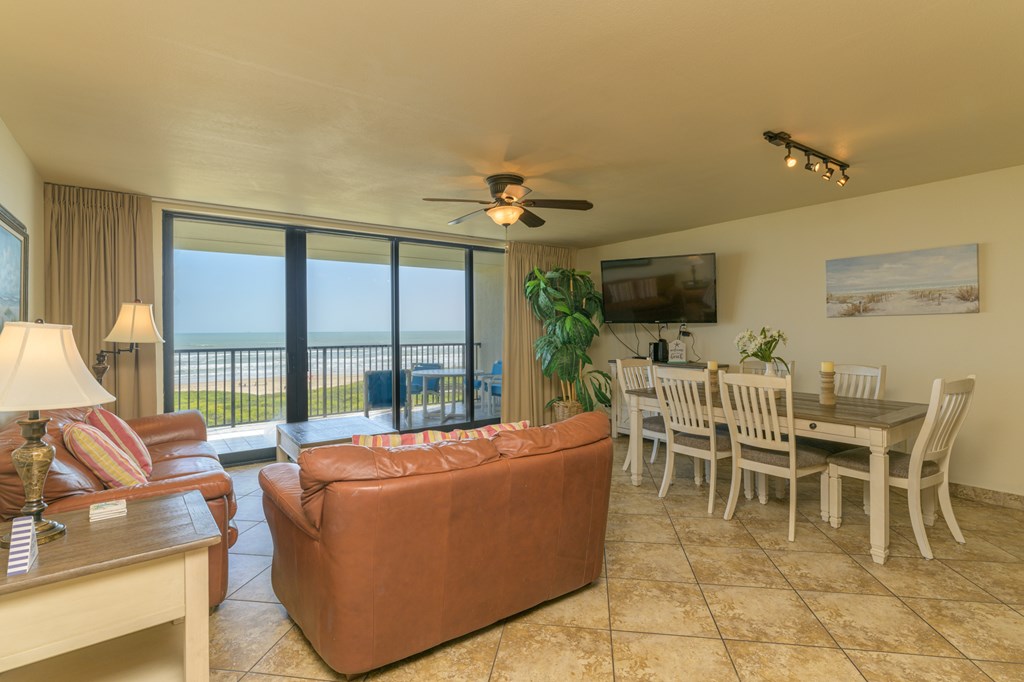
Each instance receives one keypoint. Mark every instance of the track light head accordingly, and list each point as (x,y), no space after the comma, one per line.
(812,166)
(790,159)
(843,180)
(827,175)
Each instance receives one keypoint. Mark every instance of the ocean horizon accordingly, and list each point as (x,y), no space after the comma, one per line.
(215,340)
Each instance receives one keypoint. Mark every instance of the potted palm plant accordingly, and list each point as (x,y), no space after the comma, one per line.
(568,305)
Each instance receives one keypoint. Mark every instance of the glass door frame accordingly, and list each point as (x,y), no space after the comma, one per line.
(296,332)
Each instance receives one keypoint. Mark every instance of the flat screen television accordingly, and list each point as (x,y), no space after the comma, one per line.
(662,289)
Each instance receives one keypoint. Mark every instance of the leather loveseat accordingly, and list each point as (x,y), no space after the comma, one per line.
(182,460)
(382,553)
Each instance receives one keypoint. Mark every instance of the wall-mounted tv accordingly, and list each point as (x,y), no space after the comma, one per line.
(662,289)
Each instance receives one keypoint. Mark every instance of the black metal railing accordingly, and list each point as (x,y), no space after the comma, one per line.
(234,386)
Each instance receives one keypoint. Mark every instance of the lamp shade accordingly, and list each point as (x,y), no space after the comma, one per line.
(505,215)
(41,369)
(135,324)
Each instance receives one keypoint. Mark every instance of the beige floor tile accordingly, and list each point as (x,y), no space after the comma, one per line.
(945,547)
(986,518)
(468,658)
(241,632)
(262,677)
(1002,672)
(992,632)
(882,667)
(825,572)
(225,676)
(856,539)
(256,540)
(1008,542)
(1005,581)
(908,577)
(712,532)
(733,566)
(544,652)
(659,607)
(640,528)
(645,657)
(587,607)
(758,662)
(250,508)
(861,621)
(765,615)
(293,655)
(752,510)
(243,526)
(775,535)
(689,504)
(244,567)
(257,589)
(648,561)
(628,503)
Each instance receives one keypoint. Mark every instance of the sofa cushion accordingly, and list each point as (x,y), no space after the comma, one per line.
(176,467)
(112,465)
(182,448)
(122,435)
(575,432)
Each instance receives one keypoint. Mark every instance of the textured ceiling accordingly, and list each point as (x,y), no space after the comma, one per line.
(653,110)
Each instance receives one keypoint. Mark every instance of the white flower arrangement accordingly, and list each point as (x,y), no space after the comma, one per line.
(761,345)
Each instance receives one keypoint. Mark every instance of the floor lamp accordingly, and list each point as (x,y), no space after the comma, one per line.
(134,325)
(41,369)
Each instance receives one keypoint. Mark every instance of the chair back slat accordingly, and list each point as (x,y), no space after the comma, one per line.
(947,409)
(685,400)
(860,381)
(751,408)
(634,373)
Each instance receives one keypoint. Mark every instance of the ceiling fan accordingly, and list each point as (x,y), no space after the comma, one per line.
(508,203)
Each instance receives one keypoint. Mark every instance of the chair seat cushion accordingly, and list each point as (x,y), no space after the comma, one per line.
(859,459)
(722,441)
(656,424)
(805,456)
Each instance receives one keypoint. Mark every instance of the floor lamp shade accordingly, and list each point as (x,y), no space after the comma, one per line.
(135,324)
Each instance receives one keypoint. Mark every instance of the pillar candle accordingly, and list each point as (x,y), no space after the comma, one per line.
(713,365)
(828,366)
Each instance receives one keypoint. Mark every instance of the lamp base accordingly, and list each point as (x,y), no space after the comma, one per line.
(32,462)
(46,530)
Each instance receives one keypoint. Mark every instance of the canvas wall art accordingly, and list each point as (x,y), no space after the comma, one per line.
(922,282)
(13,268)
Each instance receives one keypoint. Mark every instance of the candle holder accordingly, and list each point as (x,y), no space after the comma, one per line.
(827,396)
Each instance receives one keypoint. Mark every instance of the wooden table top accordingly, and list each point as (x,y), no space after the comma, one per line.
(853,411)
(154,527)
(327,431)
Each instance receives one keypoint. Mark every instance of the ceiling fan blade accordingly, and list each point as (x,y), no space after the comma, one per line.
(463,201)
(465,217)
(531,219)
(515,192)
(572,204)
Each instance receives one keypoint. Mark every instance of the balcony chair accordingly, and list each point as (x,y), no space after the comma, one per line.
(434,385)
(489,385)
(377,391)
(927,466)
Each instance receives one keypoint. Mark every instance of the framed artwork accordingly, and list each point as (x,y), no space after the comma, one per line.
(13,268)
(922,282)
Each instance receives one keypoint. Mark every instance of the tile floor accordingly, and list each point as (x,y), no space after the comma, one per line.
(687,596)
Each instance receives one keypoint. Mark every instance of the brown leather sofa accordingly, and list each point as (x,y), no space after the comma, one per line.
(182,460)
(382,553)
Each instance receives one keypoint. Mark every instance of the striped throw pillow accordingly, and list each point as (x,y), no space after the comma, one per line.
(390,440)
(123,436)
(112,465)
(488,431)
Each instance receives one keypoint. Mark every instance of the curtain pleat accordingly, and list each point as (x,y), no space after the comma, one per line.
(525,390)
(99,254)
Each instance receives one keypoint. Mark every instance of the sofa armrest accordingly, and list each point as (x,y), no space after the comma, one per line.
(280,483)
(163,428)
(212,485)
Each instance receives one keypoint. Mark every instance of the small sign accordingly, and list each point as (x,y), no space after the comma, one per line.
(24,550)
(677,351)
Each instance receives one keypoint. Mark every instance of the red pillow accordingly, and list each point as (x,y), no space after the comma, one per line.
(112,465)
(122,435)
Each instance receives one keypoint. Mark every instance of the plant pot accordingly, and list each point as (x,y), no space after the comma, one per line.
(565,409)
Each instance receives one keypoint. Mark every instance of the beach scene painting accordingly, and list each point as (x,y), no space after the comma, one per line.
(12,269)
(923,282)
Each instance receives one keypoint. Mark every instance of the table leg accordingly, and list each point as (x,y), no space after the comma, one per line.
(879,501)
(197,615)
(636,440)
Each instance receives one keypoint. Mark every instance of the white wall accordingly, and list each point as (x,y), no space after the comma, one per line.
(771,271)
(21,193)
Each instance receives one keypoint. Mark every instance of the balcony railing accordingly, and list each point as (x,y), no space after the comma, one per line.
(234,386)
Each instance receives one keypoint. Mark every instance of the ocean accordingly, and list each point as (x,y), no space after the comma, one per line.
(213,340)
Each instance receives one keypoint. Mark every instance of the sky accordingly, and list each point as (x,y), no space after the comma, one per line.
(922,269)
(224,293)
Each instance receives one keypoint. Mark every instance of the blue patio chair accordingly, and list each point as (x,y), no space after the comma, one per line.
(490,384)
(433,384)
(377,391)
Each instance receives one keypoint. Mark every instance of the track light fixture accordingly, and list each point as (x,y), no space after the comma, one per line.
(814,157)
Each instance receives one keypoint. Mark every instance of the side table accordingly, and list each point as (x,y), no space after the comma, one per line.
(112,577)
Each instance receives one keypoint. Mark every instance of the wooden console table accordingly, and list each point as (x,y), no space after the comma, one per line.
(295,437)
(112,577)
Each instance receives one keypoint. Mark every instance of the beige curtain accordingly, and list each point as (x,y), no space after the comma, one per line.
(98,248)
(525,391)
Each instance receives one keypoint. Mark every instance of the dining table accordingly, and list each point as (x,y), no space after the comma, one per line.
(876,424)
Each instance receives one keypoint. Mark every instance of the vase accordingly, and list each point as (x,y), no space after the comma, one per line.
(769,369)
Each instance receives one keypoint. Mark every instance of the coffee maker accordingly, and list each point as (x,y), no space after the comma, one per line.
(658,351)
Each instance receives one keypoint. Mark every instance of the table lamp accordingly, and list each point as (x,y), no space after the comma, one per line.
(41,369)
(134,325)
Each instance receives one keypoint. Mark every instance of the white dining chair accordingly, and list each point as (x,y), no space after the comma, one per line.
(685,397)
(761,436)
(926,466)
(860,381)
(634,374)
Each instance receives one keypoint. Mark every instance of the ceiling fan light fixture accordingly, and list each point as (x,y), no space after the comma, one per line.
(505,215)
